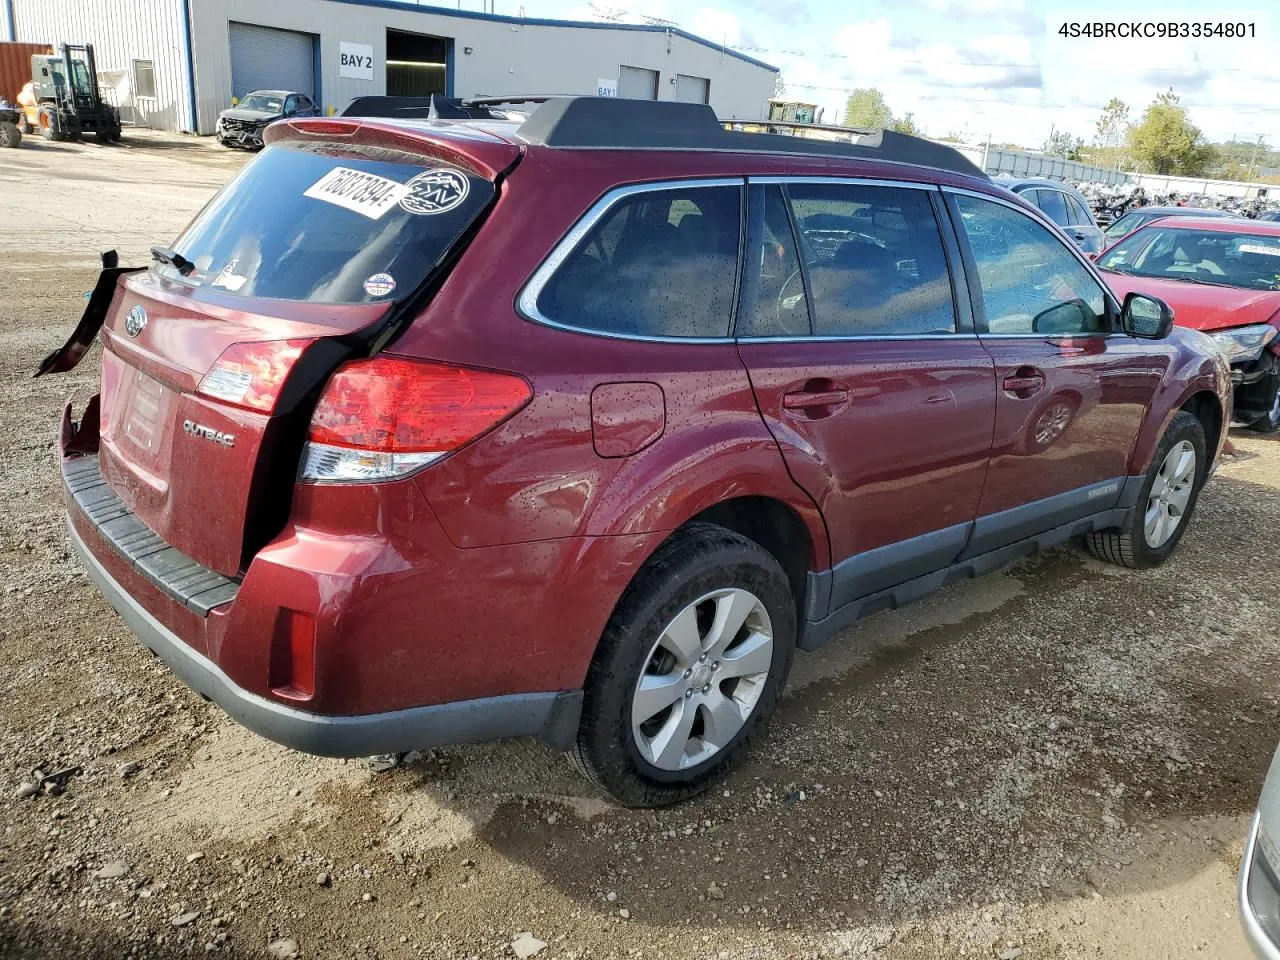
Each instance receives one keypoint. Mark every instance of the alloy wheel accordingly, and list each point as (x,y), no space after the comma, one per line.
(1170,495)
(1053,423)
(702,679)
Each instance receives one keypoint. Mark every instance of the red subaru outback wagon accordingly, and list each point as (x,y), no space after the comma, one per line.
(426,432)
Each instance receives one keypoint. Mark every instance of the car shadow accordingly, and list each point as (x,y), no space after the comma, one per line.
(1010,740)
(1011,757)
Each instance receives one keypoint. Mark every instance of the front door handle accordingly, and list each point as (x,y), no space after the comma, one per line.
(1026,382)
(807,399)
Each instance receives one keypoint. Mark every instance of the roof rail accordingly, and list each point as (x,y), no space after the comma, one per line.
(609,123)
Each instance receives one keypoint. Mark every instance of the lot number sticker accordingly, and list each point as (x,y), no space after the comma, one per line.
(436,191)
(364,193)
(379,285)
(1259,248)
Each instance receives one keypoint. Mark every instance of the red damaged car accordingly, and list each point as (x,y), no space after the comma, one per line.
(427,432)
(1221,277)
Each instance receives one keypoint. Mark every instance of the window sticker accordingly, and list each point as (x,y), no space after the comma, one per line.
(228,279)
(436,191)
(379,285)
(364,193)
(1258,248)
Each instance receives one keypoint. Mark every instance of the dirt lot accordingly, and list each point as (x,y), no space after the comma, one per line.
(1056,761)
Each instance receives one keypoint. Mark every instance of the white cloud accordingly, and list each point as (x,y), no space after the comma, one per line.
(718,26)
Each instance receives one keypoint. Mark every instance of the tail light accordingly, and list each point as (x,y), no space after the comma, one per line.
(250,375)
(385,417)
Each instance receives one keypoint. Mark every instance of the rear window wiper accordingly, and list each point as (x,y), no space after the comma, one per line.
(173,258)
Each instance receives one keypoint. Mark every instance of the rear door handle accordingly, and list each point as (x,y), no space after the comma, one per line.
(804,399)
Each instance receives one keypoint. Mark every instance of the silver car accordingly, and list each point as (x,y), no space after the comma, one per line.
(1064,205)
(1260,871)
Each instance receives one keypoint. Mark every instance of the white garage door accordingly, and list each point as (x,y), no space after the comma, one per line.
(637,83)
(693,89)
(263,58)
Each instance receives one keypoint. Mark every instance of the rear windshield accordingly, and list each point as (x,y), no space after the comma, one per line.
(330,224)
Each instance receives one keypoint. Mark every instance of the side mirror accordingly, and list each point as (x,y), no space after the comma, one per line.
(1071,316)
(1147,317)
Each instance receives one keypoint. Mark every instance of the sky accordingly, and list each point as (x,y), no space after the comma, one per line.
(985,68)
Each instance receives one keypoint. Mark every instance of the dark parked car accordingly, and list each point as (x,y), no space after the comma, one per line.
(243,124)
(1134,219)
(1064,205)
(429,432)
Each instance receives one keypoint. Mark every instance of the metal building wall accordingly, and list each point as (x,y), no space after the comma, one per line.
(509,55)
(6,28)
(121,31)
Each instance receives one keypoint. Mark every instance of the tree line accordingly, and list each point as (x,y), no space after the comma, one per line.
(1162,140)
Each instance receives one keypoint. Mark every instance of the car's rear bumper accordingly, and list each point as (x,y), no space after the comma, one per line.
(1259,899)
(552,717)
(406,639)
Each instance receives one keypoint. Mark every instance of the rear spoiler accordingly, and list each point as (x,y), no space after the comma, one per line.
(434,107)
(437,107)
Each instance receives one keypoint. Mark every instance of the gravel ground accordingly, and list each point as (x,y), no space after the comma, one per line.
(1056,761)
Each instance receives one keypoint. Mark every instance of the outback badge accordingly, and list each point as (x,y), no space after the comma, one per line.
(136,321)
(208,433)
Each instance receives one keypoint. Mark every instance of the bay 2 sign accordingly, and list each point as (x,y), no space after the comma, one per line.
(357,60)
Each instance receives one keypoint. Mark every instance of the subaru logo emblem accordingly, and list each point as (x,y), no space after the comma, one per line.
(136,322)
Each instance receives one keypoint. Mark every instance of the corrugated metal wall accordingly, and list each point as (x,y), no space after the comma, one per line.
(508,56)
(6,28)
(121,31)
(15,65)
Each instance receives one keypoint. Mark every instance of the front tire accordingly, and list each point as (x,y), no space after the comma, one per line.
(1269,422)
(1165,504)
(10,134)
(690,666)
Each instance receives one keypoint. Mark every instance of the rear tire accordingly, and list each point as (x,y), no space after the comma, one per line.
(1147,539)
(714,688)
(10,135)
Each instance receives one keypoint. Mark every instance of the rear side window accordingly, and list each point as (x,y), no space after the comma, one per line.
(874,259)
(1077,214)
(329,224)
(773,295)
(661,263)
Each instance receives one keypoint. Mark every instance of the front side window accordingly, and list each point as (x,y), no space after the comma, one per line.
(661,263)
(874,260)
(1031,282)
(1054,204)
(1214,257)
(1077,214)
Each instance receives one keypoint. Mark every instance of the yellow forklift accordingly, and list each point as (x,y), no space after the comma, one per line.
(63,100)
